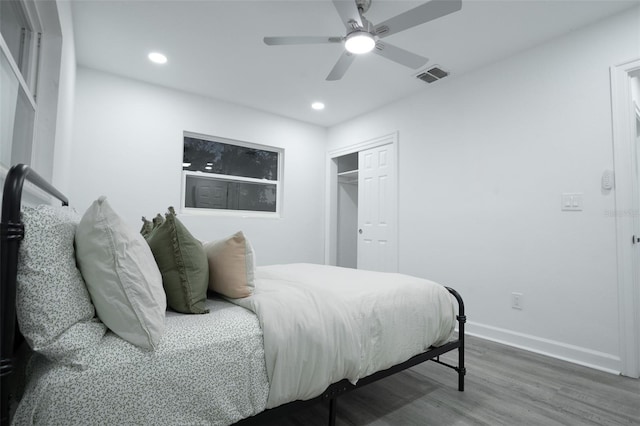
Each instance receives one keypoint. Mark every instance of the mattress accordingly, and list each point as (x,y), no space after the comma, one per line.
(208,370)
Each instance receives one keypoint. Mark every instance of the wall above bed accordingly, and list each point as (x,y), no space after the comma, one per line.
(127,145)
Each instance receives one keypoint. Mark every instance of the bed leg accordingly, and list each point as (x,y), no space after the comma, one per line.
(461,368)
(333,408)
(462,319)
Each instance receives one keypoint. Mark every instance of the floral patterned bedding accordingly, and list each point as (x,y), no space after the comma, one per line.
(208,370)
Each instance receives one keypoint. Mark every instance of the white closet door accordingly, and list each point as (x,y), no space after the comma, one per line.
(377,210)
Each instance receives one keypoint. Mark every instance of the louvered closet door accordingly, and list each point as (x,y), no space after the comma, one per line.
(377,210)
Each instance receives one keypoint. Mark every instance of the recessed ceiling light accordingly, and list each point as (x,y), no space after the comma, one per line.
(208,167)
(185,164)
(317,106)
(158,58)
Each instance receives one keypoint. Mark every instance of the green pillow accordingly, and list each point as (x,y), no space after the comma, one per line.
(158,220)
(147,227)
(182,263)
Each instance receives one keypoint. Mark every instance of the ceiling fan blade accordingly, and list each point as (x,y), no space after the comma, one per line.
(348,12)
(278,41)
(401,56)
(341,66)
(418,15)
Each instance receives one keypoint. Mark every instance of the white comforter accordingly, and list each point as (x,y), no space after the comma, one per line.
(322,324)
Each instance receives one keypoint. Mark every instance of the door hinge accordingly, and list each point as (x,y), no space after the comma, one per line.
(634,239)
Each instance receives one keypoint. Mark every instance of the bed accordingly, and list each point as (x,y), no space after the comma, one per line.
(309,333)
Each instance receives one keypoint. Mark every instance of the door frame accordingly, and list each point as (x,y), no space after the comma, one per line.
(331,200)
(627,215)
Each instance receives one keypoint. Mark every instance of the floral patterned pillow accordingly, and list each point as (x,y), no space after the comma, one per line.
(54,309)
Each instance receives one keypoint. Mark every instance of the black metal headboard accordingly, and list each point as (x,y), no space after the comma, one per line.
(11,233)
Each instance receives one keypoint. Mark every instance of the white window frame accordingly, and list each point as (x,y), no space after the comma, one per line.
(27,83)
(231,178)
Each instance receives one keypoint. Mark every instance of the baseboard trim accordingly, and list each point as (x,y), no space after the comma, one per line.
(575,354)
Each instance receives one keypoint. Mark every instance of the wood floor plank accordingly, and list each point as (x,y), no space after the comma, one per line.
(504,386)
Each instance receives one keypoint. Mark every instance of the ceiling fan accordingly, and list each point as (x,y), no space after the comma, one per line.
(362,36)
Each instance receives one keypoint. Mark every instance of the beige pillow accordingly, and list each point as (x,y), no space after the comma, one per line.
(231,266)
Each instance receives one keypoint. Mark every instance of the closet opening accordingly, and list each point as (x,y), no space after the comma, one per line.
(347,224)
(362,205)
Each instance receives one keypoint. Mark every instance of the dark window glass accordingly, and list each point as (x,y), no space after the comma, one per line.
(16,33)
(225,159)
(211,193)
(17,120)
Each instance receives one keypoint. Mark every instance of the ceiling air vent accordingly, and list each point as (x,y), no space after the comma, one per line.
(434,74)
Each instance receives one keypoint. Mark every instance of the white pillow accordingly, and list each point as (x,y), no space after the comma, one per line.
(121,275)
(231,266)
(54,310)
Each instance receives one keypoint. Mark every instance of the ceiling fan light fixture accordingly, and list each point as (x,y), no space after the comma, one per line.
(359,42)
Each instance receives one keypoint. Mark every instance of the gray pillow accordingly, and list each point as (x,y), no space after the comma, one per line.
(54,310)
(121,275)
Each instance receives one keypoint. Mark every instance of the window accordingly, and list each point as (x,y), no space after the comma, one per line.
(19,54)
(225,175)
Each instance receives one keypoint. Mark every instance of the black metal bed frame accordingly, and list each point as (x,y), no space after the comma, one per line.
(12,232)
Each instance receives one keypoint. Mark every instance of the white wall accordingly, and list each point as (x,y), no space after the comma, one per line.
(127,145)
(483,160)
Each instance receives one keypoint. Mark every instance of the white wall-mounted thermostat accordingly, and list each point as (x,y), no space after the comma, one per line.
(607,180)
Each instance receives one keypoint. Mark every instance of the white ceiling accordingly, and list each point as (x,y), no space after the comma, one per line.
(215,47)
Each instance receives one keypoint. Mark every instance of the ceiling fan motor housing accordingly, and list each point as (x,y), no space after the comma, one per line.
(363,5)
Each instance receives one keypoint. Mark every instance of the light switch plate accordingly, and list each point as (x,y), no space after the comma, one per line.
(572,201)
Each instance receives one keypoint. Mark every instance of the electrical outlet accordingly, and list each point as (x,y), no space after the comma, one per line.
(516,300)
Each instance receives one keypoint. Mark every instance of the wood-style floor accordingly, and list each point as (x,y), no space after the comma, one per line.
(503,386)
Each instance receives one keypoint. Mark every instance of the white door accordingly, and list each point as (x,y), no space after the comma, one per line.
(627,199)
(377,209)
(634,358)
